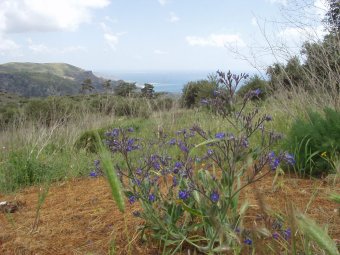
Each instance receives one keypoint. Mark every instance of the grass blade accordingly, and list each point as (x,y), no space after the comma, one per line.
(115,185)
(317,234)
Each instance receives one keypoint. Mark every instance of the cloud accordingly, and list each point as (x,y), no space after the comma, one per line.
(112,40)
(17,16)
(160,52)
(7,46)
(283,2)
(254,21)
(163,2)
(215,40)
(173,17)
(321,7)
(299,35)
(40,48)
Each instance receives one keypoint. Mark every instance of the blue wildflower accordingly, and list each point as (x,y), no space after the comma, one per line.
(130,129)
(220,135)
(156,165)
(96,162)
(132,199)
(248,241)
(274,164)
(115,132)
(245,143)
(287,233)
(152,198)
(273,160)
(210,152)
(139,171)
(204,101)
(289,159)
(172,141)
(174,181)
(183,147)
(183,194)
(268,118)
(214,196)
(94,174)
(257,92)
(276,236)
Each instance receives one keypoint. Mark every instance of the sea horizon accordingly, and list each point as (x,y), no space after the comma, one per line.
(163,81)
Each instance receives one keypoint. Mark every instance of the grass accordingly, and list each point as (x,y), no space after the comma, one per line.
(34,154)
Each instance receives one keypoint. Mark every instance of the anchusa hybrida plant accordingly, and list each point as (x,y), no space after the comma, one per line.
(188,185)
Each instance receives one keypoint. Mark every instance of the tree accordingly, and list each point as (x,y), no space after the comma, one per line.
(148,91)
(124,88)
(195,91)
(107,85)
(287,76)
(254,83)
(86,85)
(332,18)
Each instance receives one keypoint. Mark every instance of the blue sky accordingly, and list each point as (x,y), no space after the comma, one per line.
(140,35)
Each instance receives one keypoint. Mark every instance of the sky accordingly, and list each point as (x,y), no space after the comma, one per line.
(155,35)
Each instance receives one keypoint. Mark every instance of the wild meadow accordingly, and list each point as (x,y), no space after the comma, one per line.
(236,164)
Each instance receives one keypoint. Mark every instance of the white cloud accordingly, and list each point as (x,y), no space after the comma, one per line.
(160,52)
(253,22)
(40,48)
(283,2)
(7,46)
(215,40)
(163,2)
(173,17)
(321,7)
(111,20)
(111,40)
(299,35)
(46,15)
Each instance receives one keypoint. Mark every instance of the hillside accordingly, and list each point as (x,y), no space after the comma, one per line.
(33,79)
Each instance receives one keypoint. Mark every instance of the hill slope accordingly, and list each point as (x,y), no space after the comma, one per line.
(33,79)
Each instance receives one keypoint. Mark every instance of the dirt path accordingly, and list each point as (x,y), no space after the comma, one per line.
(79,216)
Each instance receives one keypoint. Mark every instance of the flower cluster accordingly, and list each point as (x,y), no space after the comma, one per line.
(166,176)
(97,171)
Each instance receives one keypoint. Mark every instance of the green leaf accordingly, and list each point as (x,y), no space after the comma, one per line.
(190,210)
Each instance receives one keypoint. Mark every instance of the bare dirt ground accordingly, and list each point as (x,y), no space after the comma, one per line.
(80,217)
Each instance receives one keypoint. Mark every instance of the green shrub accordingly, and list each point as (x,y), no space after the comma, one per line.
(254,83)
(314,138)
(87,140)
(8,115)
(195,91)
(132,107)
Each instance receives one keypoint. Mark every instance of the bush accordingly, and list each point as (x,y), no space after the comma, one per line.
(132,107)
(314,139)
(254,83)
(87,140)
(195,91)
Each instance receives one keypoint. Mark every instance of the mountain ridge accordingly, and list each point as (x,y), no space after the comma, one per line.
(45,79)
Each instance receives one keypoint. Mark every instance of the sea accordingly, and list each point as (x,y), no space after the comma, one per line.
(163,81)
